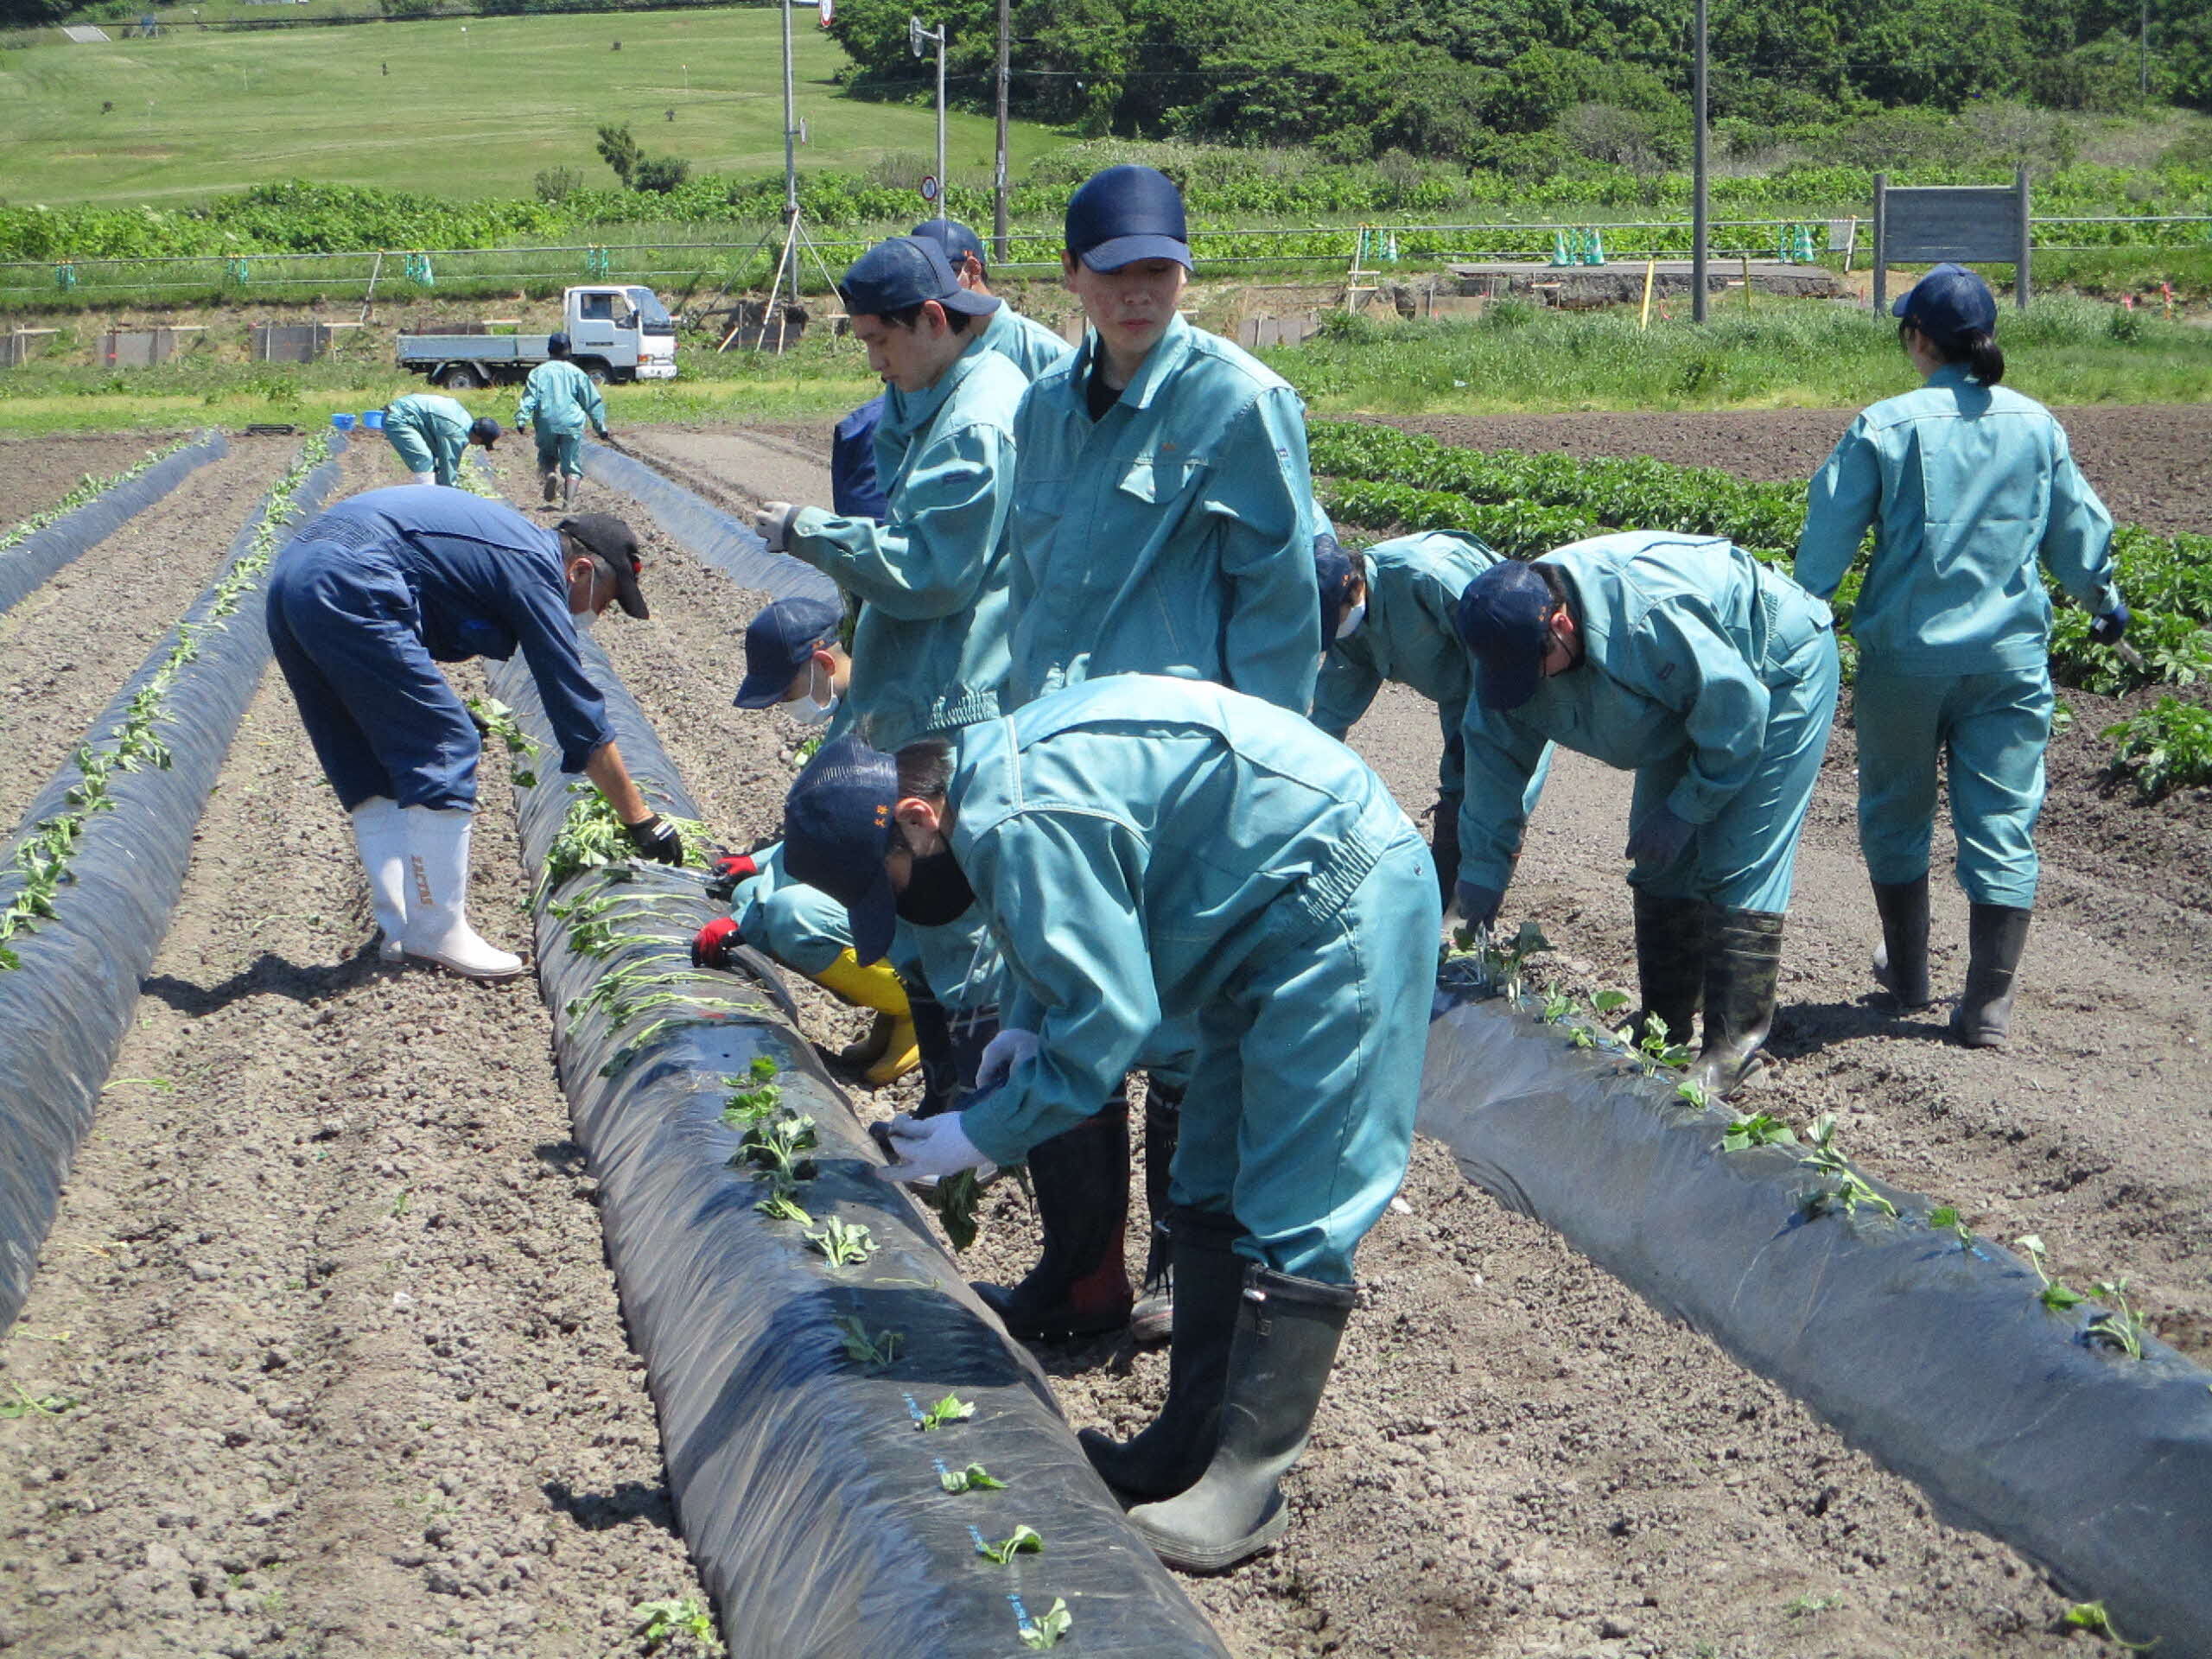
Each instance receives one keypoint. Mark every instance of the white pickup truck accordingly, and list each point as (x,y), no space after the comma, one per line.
(615,333)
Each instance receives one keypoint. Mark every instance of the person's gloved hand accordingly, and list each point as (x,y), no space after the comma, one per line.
(773,523)
(1477,906)
(714,945)
(1001,1054)
(727,873)
(927,1148)
(2111,628)
(1660,837)
(657,840)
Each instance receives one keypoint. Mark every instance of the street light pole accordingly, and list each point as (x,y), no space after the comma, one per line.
(1698,201)
(998,173)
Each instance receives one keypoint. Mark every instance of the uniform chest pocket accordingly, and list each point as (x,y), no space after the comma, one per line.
(1038,505)
(1162,475)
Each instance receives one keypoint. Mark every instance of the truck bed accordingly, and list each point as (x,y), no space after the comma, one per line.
(481,349)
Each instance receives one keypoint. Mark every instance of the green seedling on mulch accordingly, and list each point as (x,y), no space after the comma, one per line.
(709,1011)
(1048,1627)
(751,1105)
(89,487)
(1757,1130)
(2091,1616)
(1944,1218)
(1495,966)
(1692,1093)
(807,745)
(782,1205)
(592,835)
(2054,1295)
(1654,1053)
(1022,1541)
(861,1349)
(1557,1006)
(2122,1330)
(1841,1184)
(973,1478)
(950,1409)
(779,1145)
(843,1244)
(660,1622)
(23,1405)
(503,725)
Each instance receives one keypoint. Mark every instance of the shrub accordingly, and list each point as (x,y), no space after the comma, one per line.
(660,174)
(557,184)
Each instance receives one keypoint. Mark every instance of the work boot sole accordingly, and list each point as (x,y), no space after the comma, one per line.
(1187,1557)
(469,972)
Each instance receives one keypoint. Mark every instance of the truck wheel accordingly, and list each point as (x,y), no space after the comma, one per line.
(460,376)
(595,372)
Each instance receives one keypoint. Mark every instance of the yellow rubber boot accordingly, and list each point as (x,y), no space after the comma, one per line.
(876,987)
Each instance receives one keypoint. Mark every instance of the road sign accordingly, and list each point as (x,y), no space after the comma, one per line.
(929,189)
(829,12)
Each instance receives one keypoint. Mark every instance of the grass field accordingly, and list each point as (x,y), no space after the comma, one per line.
(463,112)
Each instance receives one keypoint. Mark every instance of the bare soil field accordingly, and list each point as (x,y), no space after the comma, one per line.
(36,472)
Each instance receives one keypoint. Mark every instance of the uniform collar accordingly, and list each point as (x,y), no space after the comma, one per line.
(1166,356)
(1952,374)
(908,410)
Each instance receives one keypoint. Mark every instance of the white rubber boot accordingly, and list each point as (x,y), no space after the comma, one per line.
(438,896)
(380,836)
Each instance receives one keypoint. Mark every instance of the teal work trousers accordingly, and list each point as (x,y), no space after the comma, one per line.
(1991,729)
(559,452)
(415,453)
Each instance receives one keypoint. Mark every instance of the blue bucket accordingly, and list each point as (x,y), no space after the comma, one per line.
(373,420)
(343,423)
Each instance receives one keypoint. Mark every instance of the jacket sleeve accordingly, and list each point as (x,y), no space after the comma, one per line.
(594,405)
(1344,692)
(1063,891)
(1264,493)
(2077,545)
(1499,755)
(928,560)
(1676,657)
(1844,496)
(547,634)
(527,410)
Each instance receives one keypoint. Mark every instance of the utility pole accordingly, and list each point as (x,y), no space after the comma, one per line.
(917,38)
(2143,39)
(998,176)
(1698,203)
(790,135)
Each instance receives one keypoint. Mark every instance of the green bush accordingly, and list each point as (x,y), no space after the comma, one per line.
(2167,746)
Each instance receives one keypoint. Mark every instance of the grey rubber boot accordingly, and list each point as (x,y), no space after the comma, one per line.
(1152,1318)
(1080,1285)
(1901,962)
(1743,974)
(1288,1329)
(1669,962)
(1997,935)
(568,491)
(1170,1453)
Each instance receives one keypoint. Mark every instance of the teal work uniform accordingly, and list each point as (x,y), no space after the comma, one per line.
(1174,534)
(800,926)
(1968,488)
(557,400)
(1024,342)
(1413,585)
(430,433)
(1711,677)
(1148,850)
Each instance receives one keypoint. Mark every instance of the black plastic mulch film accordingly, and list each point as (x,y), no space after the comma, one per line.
(65,1011)
(808,1495)
(713,536)
(25,567)
(1933,1354)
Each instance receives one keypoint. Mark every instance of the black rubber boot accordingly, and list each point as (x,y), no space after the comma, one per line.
(1669,962)
(933,1040)
(1444,845)
(1901,964)
(1152,1318)
(1997,935)
(551,483)
(1169,1454)
(1742,972)
(1287,1334)
(1079,1287)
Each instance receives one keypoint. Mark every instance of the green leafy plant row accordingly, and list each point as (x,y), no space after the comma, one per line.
(87,488)
(42,861)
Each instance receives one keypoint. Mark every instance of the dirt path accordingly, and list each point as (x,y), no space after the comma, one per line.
(70,646)
(36,472)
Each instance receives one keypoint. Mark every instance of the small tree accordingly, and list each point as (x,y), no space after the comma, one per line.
(558,183)
(619,151)
(659,174)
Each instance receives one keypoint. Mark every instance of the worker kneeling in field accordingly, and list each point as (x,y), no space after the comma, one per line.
(1147,849)
(365,604)
(558,401)
(795,663)
(430,433)
(1711,677)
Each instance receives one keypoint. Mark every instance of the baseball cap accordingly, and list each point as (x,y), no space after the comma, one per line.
(557,345)
(1334,570)
(1501,621)
(957,239)
(484,430)
(1948,303)
(903,271)
(837,826)
(777,643)
(608,539)
(1127,213)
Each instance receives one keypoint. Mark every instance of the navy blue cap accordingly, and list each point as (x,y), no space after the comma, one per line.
(1127,213)
(778,644)
(557,345)
(1334,570)
(1949,303)
(484,430)
(904,271)
(837,826)
(957,239)
(1501,621)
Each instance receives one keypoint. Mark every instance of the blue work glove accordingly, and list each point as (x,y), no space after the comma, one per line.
(1660,837)
(1477,906)
(2111,628)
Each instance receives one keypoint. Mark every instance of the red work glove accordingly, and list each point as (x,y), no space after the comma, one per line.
(727,873)
(715,943)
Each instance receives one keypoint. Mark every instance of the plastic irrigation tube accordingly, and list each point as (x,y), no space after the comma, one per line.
(27,566)
(716,537)
(809,1496)
(1934,1354)
(65,1010)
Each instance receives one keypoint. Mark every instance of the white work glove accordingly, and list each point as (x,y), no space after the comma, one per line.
(1001,1054)
(774,526)
(928,1148)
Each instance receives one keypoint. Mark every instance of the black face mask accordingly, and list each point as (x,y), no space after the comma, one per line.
(937,892)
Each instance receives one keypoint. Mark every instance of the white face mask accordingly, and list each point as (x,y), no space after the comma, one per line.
(1353,617)
(810,710)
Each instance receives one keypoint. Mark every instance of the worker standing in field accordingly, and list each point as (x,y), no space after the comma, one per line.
(364,605)
(1149,851)
(1972,493)
(430,432)
(1713,678)
(558,401)
(1029,344)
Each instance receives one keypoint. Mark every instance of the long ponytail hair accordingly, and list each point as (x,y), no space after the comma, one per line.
(1983,357)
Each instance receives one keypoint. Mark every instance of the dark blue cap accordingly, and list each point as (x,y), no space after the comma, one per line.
(1127,214)
(957,239)
(778,644)
(1949,303)
(837,826)
(904,271)
(484,430)
(1334,570)
(557,345)
(1501,622)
